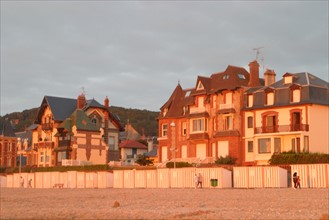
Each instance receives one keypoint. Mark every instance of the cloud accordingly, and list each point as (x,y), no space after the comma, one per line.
(136,52)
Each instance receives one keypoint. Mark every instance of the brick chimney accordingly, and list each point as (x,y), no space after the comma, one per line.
(106,120)
(81,101)
(269,77)
(254,74)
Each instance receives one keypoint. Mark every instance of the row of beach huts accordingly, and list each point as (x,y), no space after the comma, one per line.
(311,175)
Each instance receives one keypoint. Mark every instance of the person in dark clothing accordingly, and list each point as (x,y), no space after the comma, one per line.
(296,180)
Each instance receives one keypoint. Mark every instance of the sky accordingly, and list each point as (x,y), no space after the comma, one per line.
(136,52)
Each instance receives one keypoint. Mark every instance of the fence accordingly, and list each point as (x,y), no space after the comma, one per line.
(69,179)
(171,178)
(311,175)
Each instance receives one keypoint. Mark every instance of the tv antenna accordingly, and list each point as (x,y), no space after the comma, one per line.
(257,49)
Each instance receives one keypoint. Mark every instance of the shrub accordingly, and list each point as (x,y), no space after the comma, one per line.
(178,164)
(298,158)
(225,160)
(144,160)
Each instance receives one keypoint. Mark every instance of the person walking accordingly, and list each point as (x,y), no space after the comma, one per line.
(200,180)
(30,183)
(21,182)
(196,181)
(296,180)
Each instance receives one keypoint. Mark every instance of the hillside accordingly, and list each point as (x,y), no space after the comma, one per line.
(141,120)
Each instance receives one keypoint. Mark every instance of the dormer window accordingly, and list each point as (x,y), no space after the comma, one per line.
(250,100)
(295,93)
(226,76)
(165,112)
(200,86)
(269,96)
(241,76)
(288,78)
(94,121)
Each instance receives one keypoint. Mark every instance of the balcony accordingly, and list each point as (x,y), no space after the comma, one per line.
(47,126)
(64,143)
(44,144)
(199,136)
(281,128)
(226,106)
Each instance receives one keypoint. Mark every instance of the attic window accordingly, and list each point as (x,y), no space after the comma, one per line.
(241,76)
(187,93)
(200,86)
(226,76)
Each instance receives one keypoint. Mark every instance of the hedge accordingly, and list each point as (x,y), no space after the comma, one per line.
(298,158)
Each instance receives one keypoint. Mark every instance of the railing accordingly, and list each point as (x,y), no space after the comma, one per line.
(226,106)
(48,144)
(282,128)
(47,126)
(67,162)
(64,143)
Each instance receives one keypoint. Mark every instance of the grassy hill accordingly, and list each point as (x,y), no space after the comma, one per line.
(143,121)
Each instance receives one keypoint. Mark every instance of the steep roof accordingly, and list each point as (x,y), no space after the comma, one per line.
(80,120)
(175,103)
(132,144)
(61,108)
(6,130)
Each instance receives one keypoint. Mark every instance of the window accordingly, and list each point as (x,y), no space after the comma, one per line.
(61,156)
(241,76)
(295,95)
(164,130)
(277,145)
(41,156)
(250,122)
(111,142)
(165,112)
(269,98)
(264,145)
(94,120)
(270,124)
(306,144)
(293,145)
(250,100)
(250,146)
(226,76)
(199,125)
(214,124)
(47,158)
(9,147)
(228,98)
(228,123)
(200,86)
(184,129)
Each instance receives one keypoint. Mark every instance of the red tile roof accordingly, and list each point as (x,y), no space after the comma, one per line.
(132,144)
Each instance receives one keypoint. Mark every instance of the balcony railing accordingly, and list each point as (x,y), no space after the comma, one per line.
(47,126)
(44,144)
(64,143)
(282,128)
(226,106)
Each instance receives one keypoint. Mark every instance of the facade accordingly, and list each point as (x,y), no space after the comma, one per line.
(201,124)
(8,145)
(75,129)
(130,149)
(291,114)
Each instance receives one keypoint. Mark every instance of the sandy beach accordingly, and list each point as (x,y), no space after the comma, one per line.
(164,203)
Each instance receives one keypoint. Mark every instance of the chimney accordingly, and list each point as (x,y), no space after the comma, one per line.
(106,102)
(254,74)
(106,120)
(269,76)
(81,101)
